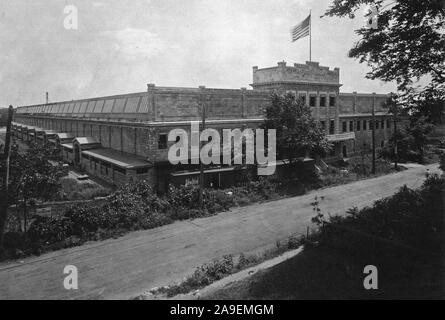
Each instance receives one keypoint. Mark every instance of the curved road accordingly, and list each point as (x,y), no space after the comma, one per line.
(125,267)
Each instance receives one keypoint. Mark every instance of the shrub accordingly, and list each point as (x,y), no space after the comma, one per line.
(15,244)
(203,276)
(245,261)
(442,162)
(394,229)
(44,230)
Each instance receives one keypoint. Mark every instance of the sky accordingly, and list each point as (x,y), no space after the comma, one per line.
(121,45)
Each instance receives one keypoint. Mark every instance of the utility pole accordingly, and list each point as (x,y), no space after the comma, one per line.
(373,133)
(396,151)
(201,166)
(4,196)
(395,113)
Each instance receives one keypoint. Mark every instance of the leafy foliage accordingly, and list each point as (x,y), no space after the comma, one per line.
(407,45)
(406,225)
(411,141)
(32,175)
(297,132)
(442,162)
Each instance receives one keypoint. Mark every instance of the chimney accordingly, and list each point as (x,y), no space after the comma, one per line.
(47,97)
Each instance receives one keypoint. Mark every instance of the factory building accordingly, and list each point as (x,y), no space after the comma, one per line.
(124,138)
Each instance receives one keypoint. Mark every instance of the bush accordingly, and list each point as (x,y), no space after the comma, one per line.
(442,162)
(402,226)
(245,261)
(203,276)
(45,231)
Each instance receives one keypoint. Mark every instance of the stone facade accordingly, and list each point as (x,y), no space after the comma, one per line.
(135,125)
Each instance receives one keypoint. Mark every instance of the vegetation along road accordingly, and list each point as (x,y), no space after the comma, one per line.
(125,267)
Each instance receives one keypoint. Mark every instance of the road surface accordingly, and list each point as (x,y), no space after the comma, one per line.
(125,267)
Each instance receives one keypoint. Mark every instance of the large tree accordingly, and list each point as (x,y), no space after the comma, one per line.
(33,177)
(406,44)
(297,132)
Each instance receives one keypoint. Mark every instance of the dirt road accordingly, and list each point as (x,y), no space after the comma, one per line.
(127,266)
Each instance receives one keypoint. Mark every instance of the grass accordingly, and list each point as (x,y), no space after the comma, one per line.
(320,273)
(356,170)
(71,189)
(221,268)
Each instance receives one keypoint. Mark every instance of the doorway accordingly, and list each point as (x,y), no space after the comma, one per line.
(76,154)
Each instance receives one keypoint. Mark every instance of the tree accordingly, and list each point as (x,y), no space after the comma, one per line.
(417,135)
(297,132)
(442,162)
(398,112)
(406,45)
(32,177)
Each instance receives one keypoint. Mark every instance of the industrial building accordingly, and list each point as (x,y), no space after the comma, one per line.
(123,138)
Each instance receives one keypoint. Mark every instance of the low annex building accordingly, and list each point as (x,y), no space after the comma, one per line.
(124,137)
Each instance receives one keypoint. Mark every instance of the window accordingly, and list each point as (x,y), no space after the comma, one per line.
(376,125)
(383,124)
(104,168)
(388,124)
(120,170)
(332,101)
(312,101)
(351,126)
(323,101)
(162,142)
(371,125)
(382,144)
(323,125)
(344,126)
(332,127)
(107,168)
(358,125)
(142,170)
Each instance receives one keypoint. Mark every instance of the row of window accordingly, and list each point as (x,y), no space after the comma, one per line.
(105,167)
(363,125)
(323,101)
(360,125)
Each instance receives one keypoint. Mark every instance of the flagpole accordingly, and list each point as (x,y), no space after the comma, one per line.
(310,35)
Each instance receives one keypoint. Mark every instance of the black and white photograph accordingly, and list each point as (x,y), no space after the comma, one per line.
(221,157)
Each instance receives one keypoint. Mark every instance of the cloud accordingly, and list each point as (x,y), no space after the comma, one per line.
(98,4)
(134,44)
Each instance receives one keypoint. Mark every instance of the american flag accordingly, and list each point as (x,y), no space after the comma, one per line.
(301,30)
